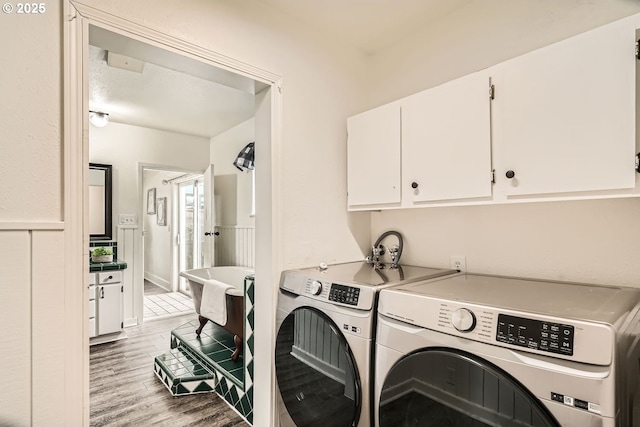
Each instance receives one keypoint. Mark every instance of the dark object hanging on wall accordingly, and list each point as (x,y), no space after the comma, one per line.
(245,158)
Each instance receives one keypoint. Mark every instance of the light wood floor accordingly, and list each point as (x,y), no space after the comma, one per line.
(124,391)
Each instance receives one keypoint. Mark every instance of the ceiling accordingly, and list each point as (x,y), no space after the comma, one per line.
(178,94)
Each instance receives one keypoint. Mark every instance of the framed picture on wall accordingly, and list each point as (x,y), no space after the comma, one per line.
(151,201)
(162,211)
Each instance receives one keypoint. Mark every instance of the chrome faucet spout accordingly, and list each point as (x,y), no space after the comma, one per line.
(395,251)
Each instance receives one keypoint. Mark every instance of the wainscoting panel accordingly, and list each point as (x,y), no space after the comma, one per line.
(235,246)
(126,250)
(32,288)
(48,329)
(15,318)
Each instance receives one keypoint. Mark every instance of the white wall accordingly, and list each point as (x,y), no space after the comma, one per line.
(158,238)
(125,146)
(590,241)
(479,35)
(32,119)
(224,150)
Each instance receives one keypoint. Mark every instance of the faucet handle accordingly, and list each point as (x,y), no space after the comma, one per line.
(394,251)
(377,251)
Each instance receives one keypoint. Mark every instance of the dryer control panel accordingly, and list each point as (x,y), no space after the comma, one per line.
(535,334)
(344,294)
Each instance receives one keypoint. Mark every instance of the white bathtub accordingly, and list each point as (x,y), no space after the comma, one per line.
(229,275)
(233,301)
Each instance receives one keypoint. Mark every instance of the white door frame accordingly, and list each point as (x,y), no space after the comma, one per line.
(76,20)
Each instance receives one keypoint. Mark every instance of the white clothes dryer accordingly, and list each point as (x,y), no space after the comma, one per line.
(476,350)
(323,355)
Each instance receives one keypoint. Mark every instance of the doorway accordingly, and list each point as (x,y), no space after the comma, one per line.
(268,108)
(143,89)
(166,227)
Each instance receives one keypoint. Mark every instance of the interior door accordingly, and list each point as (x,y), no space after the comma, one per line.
(208,242)
(190,233)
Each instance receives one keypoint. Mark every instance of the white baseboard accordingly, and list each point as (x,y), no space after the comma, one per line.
(158,281)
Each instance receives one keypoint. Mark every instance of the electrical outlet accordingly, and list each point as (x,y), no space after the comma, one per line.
(458,262)
(127,219)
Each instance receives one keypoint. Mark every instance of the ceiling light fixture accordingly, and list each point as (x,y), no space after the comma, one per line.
(98,119)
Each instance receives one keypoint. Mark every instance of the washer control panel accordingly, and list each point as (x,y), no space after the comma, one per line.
(535,334)
(344,294)
(569,339)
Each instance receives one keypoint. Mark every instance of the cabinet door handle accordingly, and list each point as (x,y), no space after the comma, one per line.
(510,174)
(102,292)
(414,184)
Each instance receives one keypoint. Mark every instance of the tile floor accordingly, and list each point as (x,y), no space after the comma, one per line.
(165,304)
(214,344)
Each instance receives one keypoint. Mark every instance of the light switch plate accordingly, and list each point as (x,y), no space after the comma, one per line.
(127,219)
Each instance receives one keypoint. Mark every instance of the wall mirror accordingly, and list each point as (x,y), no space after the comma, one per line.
(100,202)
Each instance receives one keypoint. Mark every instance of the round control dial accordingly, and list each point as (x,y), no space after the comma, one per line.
(316,287)
(463,320)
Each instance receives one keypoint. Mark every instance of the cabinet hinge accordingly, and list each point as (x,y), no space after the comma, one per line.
(492,92)
(122,288)
(638,162)
(638,49)
(493,176)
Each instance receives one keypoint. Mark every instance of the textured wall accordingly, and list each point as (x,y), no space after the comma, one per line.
(30,116)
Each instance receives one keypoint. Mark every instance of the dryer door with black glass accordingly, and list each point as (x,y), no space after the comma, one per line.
(317,376)
(440,387)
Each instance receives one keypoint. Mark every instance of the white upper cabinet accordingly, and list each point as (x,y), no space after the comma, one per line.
(562,126)
(373,157)
(564,116)
(446,142)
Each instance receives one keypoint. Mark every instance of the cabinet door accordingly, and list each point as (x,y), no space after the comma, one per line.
(109,316)
(373,157)
(446,141)
(564,115)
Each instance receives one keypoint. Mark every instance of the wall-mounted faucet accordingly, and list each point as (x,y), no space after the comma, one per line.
(378,250)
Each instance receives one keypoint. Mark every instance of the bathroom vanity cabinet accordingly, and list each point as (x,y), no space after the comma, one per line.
(106,315)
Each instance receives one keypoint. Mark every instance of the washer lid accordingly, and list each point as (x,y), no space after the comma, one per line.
(364,274)
(580,301)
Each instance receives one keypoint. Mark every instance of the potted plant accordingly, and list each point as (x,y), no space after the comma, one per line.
(101,255)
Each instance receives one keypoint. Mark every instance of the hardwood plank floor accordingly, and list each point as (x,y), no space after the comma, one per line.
(124,390)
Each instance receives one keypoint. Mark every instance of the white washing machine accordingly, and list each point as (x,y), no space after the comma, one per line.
(325,323)
(475,350)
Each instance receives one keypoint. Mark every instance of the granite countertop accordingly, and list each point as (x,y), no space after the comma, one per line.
(107,266)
